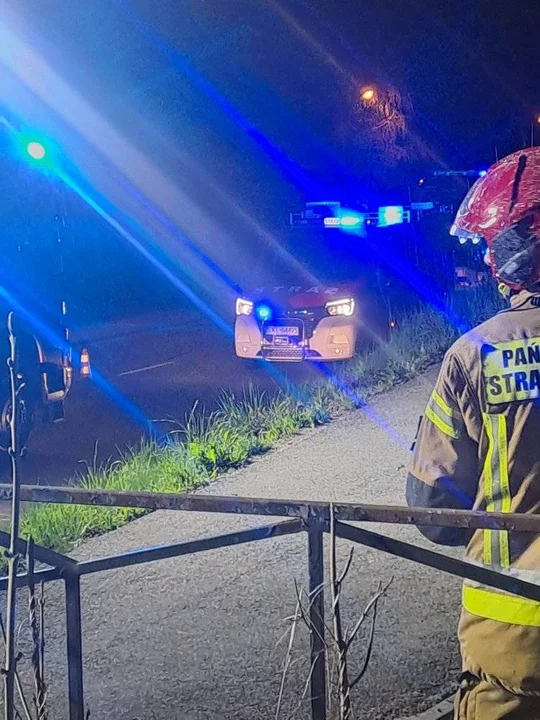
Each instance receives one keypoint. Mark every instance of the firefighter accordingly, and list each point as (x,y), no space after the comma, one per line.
(478,446)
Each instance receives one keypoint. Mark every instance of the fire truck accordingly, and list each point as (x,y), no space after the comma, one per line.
(350,272)
(320,299)
(288,324)
(32,289)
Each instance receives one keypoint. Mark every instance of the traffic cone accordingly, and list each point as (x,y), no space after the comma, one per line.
(86,370)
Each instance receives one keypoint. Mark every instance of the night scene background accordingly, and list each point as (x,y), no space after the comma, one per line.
(226,117)
(182,135)
(152,153)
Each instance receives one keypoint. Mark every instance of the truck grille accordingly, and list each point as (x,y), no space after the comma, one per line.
(290,353)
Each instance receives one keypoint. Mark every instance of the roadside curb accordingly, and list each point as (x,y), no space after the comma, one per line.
(442,711)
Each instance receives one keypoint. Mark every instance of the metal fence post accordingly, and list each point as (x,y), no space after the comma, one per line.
(316,615)
(74,646)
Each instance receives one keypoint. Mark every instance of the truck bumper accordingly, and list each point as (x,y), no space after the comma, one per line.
(334,338)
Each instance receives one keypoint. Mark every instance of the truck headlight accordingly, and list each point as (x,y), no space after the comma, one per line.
(244,307)
(341,307)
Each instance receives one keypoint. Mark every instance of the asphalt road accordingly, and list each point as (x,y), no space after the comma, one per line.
(201,637)
(147,369)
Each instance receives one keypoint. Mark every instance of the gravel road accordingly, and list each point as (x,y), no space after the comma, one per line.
(199,637)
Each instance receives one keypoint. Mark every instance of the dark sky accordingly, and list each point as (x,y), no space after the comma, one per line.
(247,106)
(208,72)
(471,67)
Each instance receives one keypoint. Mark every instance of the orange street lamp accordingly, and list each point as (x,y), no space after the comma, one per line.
(536,121)
(367,94)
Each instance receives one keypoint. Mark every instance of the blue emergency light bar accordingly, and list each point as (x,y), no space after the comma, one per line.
(386,215)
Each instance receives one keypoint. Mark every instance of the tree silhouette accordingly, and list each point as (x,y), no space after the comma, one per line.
(381,124)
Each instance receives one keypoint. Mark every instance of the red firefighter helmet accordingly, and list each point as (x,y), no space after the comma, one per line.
(503,208)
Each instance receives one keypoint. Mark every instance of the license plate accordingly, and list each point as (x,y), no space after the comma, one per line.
(289,331)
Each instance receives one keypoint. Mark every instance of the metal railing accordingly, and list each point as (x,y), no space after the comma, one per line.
(313,518)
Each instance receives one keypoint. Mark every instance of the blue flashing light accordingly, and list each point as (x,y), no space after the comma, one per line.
(482,173)
(263,312)
(350,221)
(36,150)
(391,215)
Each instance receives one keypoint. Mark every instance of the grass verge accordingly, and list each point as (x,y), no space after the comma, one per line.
(245,426)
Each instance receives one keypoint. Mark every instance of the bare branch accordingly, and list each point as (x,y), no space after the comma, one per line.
(347,567)
(300,606)
(345,709)
(18,683)
(305,691)
(288,657)
(42,631)
(311,599)
(369,651)
(373,602)
(39,685)
(308,680)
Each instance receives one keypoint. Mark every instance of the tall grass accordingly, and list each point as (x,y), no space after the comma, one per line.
(249,423)
(171,468)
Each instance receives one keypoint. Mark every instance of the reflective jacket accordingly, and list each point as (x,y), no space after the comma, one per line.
(478,447)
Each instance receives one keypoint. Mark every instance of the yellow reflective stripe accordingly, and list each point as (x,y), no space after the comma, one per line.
(440,402)
(502,608)
(504,548)
(488,490)
(506,498)
(441,415)
(488,539)
(440,423)
(497,489)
